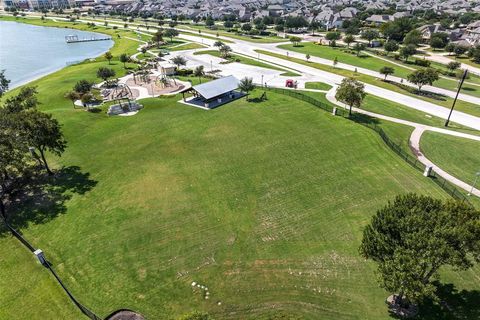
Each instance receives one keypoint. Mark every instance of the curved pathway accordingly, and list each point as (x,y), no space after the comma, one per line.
(414,141)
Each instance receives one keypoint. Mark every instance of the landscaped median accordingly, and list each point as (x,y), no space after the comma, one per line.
(249,61)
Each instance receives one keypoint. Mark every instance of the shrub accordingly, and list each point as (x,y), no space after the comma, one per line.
(422,62)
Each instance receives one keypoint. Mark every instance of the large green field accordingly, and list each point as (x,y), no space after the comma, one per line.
(262,202)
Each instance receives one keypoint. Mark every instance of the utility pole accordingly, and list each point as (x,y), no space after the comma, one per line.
(456,96)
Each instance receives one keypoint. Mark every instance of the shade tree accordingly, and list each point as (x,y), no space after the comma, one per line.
(412,237)
(351,92)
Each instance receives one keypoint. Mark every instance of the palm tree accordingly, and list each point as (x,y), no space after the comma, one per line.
(225,51)
(246,85)
(199,72)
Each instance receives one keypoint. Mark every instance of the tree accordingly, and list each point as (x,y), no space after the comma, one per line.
(351,92)
(171,33)
(72,96)
(459,50)
(225,51)
(439,40)
(414,236)
(387,71)
(358,47)
(414,38)
(4,83)
(247,27)
(199,72)
(295,40)
(370,35)
(335,62)
(332,37)
(83,86)
(42,131)
(228,24)
(453,65)
(307,56)
(391,46)
(105,73)
(108,55)
(124,58)
(218,44)
(407,51)
(179,61)
(158,37)
(348,39)
(209,22)
(450,48)
(423,76)
(296,22)
(246,85)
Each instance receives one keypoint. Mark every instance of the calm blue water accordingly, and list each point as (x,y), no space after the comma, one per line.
(28,52)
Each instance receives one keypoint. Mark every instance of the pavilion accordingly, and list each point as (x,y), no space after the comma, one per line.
(213,94)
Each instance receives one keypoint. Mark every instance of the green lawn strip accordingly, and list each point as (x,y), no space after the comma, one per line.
(188,46)
(375,63)
(363,60)
(458,156)
(249,61)
(462,106)
(192,33)
(225,33)
(317,86)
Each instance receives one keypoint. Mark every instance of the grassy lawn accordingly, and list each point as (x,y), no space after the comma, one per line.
(458,156)
(249,61)
(317,86)
(188,46)
(362,61)
(262,202)
(224,33)
(462,106)
(376,63)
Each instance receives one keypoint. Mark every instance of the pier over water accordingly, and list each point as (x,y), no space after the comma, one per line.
(74,39)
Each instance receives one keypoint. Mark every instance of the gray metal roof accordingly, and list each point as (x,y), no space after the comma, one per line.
(217,87)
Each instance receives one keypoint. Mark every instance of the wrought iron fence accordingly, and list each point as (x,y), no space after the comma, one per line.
(406,155)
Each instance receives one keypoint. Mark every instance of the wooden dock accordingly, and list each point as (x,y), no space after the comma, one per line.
(75,39)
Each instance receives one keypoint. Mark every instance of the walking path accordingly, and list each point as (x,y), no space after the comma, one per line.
(414,141)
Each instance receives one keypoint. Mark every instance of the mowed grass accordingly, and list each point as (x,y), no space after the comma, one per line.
(264,203)
(458,156)
(249,61)
(462,106)
(375,63)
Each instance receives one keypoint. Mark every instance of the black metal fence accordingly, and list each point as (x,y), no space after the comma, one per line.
(366,121)
(47,265)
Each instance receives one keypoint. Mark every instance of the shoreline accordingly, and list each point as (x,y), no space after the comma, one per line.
(52,70)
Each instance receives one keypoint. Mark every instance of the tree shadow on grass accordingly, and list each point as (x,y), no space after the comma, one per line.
(363,119)
(459,305)
(44,197)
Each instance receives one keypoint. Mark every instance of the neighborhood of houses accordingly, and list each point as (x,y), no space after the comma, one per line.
(324,14)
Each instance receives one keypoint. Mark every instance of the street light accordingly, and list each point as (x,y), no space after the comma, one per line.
(474,183)
(262,80)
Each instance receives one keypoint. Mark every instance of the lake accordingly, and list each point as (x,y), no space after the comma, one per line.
(28,52)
